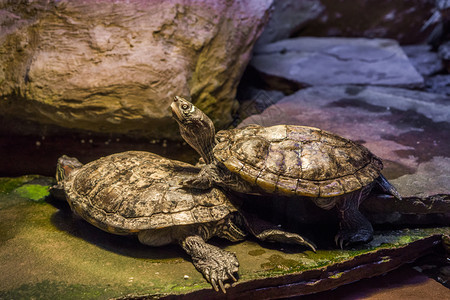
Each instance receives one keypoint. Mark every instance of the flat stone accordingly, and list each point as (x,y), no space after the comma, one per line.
(423,59)
(310,61)
(114,66)
(408,129)
(47,252)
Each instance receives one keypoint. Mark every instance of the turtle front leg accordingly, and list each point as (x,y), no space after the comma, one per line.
(354,227)
(203,180)
(216,265)
(212,175)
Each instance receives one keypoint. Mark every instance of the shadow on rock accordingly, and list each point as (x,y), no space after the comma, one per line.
(66,221)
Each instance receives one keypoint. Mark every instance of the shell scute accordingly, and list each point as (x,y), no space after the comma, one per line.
(330,188)
(303,134)
(274,133)
(286,186)
(252,152)
(267,181)
(307,188)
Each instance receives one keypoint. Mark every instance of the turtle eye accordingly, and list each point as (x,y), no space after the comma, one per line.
(184,106)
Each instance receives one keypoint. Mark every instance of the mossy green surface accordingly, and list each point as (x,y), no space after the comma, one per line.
(7,184)
(35,192)
(48,253)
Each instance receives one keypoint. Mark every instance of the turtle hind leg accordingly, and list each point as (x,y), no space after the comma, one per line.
(354,227)
(387,187)
(216,265)
(266,231)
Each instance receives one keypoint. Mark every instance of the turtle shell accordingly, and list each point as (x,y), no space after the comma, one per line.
(132,191)
(297,160)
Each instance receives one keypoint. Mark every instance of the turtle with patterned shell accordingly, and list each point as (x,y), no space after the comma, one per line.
(137,192)
(288,160)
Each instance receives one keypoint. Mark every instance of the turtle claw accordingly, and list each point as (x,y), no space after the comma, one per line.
(222,287)
(281,236)
(214,284)
(230,275)
(346,238)
(339,242)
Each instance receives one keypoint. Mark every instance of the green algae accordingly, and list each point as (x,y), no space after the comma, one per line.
(35,192)
(7,185)
(336,275)
(278,263)
(279,266)
(256,252)
(57,290)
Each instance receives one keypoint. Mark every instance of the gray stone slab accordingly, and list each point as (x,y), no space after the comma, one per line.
(311,61)
(409,130)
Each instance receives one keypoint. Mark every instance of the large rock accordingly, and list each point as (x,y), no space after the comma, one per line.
(115,65)
(287,17)
(294,63)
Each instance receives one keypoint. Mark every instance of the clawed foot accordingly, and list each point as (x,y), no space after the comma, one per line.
(196,183)
(280,236)
(345,238)
(218,268)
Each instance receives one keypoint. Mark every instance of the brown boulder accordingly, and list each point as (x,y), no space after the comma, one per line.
(113,66)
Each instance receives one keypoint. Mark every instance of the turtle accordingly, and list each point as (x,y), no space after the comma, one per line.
(138,193)
(289,160)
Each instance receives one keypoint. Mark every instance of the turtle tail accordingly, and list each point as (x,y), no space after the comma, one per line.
(387,187)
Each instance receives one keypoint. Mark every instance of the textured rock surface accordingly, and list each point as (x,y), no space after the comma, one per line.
(400,20)
(287,17)
(334,61)
(423,59)
(114,66)
(409,130)
(444,54)
(438,84)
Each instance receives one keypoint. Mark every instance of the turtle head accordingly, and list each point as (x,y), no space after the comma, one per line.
(66,165)
(196,127)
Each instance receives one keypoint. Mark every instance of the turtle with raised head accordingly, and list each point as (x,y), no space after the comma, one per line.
(290,160)
(138,193)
